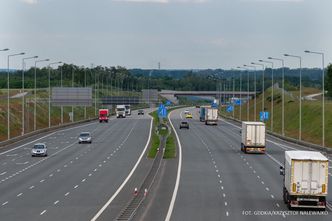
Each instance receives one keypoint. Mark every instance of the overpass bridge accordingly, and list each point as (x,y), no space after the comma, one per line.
(173,95)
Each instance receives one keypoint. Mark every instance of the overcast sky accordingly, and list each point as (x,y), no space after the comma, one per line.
(188,34)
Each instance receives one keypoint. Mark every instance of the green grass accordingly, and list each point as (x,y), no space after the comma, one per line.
(311,116)
(170,150)
(155,141)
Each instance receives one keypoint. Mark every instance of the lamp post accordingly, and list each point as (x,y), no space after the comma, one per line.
(8,107)
(240,92)
(72,85)
(248,90)
(35,93)
(61,87)
(23,97)
(300,104)
(272,98)
(255,89)
(323,95)
(263,84)
(283,94)
(49,91)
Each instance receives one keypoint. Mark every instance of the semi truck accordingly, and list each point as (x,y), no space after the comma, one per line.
(253,137)
(103,115)
(128,111)
(211,116)
(305,179)
(120,111)
(202,114)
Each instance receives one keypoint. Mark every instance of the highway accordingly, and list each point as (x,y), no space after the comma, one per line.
(219,182)
(76,180)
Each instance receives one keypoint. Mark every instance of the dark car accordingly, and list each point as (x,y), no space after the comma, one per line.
(140,112)
(184,124)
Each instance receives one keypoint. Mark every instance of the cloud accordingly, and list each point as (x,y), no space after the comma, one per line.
(273,0)
(30,2)
(160,1)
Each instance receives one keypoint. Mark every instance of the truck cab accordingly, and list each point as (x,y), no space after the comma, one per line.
(128,110)
(120,111)
(103,115)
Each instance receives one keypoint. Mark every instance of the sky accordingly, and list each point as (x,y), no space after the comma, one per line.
(180,34)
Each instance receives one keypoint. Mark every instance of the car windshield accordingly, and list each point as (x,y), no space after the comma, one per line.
(39,147)
(120,109)
(84,134)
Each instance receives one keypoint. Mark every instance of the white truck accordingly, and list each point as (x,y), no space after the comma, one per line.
(128,111)
(120,111)
(305,179)
(253,137)
(211,116)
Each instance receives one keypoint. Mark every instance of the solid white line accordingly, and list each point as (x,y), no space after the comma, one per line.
(3,173)
(178,176)
(126,180)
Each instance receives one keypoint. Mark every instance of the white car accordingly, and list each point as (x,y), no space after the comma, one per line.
(186,112)
(39,149)
(85,137)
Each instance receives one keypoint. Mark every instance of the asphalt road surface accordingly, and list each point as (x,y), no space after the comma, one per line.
(219,182)
(76,180)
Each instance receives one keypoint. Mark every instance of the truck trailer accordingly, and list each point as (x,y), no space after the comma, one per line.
(253,137)
(103,115)
(305,180)
(211,116)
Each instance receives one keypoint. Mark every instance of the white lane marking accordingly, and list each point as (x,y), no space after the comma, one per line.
(65,165)
(5,203)
(128,177)
(274,159)
(178,176)
(90,174)
(56,202)
(83,180)
(3,173)
(58,170)
(26,162)
(267,189)
(278,205)
(50,175)
(20,194)
(42,181)
(222,187)
(67,194)
(31,187)
(263,182)
(75,186)
(272,196)
(225,203)
(227,213)
(34,141)
(10,155)
(44,211)
(224,195)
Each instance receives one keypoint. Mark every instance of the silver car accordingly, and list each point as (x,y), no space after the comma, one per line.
(39,149)
(85,137)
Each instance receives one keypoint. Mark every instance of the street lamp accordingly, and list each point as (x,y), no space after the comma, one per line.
(283,94)
(263,84)
(255,89)
(5,49)
(23,97)
(49,91)
(248,89)
(323,96)
(35,92)
(240,92)
(8,108)
(272,98)
(300,117)
(72,85)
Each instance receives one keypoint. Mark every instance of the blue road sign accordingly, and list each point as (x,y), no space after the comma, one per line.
(263,115)
(237,102)
(230,108)
(162,111)
(168,103)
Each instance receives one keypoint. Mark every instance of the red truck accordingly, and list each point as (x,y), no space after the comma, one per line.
(103,115)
